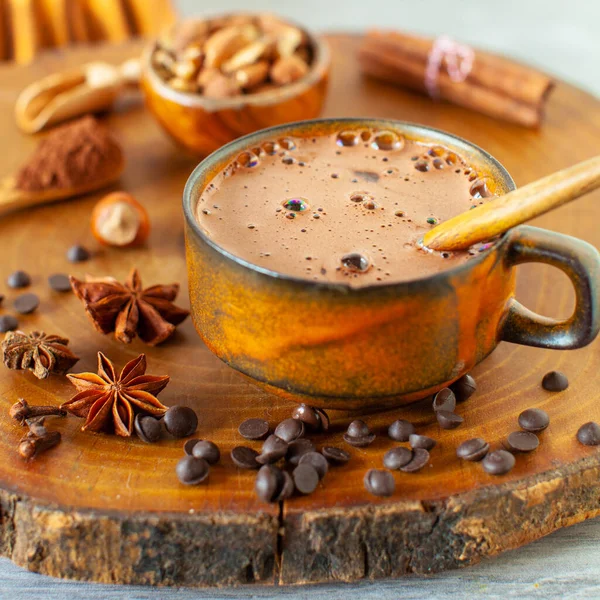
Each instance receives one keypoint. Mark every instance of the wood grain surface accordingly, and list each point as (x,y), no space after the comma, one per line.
(559,566)
(112,510)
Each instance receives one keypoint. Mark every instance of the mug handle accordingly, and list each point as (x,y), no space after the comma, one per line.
(581,263)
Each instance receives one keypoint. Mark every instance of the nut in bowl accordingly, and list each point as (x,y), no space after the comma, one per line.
(210,81)
(306,273)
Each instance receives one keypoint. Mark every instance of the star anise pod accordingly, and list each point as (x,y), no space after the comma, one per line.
(127,309)
(108,402)
(37,351)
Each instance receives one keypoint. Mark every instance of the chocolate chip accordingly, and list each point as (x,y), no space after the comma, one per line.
(207,450)
(464,388)
(1,299)
(419,459)
(59,282)
(401,430)
(254,429)
(306,478)
(448,420)
(396,458)
(318,461)
(534,419)
(148,428)
(358,428)
(287,487)
(189,446)
(555,381)
(268,483)
(498,462)
(26,303)
(359,442)
(308,415)
(8,323)
(18,279)
(272,450)
(297,449)
(474,449)
(335,456)
(289,430)
(244,457)
(324,419)
(379,482)
(358,434)
(589,434)
(522,441)
(444,400)
(77,254)
(192,471)
(314,419)
(180,421)
(421,441)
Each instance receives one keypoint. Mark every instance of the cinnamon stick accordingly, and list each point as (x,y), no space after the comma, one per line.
(494,86)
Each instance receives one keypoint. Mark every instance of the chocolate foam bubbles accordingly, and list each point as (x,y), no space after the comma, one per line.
(344,208)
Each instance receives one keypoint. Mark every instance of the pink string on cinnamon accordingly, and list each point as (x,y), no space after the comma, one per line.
(459,59)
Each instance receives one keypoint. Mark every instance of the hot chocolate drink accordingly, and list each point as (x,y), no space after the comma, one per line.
(346,208)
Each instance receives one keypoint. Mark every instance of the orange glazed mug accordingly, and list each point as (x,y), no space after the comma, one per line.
(334,346)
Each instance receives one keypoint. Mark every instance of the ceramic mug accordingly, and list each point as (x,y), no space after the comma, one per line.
(334,346)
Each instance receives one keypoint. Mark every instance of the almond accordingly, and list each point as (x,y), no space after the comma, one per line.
(230,21)
(226,42)
(184,69)
(288,41)
(287,70)
(193,53)
(220,86)
(270,23)
(183,85)
(289,38)
(188,32)
(250,76)
(247,55)
(206,75)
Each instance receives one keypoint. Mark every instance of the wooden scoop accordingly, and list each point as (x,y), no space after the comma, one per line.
(13,198)
(58,97)
(495,217)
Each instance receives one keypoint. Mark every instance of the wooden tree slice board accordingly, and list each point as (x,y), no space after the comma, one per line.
(106,509)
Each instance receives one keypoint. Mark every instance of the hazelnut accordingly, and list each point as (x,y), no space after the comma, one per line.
(120,220)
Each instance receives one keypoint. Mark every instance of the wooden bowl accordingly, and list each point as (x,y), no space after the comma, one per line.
(383,345)
(203,124)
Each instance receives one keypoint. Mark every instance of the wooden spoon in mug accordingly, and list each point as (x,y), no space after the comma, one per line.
(534,199)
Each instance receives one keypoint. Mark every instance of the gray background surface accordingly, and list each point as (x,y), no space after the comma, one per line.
(561,37)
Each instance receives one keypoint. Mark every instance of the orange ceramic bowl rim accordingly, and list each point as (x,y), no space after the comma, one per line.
(211,165)
(318,69)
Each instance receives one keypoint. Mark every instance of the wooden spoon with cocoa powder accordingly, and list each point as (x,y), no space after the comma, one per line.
(73,160)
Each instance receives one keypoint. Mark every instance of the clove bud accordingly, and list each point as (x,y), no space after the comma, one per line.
(21,411)
(31,445)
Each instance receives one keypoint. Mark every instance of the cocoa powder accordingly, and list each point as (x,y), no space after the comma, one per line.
(73,155)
